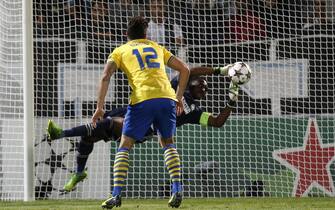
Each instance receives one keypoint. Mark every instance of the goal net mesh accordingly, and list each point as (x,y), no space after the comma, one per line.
(279,141)
(11,103)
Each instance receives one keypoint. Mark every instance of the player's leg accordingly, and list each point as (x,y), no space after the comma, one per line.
(137,121)
(120,170)
(165,122)
(84,149)
(173,166)
(56,132)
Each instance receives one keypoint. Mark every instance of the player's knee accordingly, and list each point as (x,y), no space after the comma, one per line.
(166,142)
(85,147)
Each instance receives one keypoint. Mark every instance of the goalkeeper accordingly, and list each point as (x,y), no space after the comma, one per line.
(110,128)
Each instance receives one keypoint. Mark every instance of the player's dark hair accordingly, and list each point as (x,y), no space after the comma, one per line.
(137,28)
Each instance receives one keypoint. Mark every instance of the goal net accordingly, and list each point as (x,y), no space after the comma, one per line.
(11,103)
(279,141)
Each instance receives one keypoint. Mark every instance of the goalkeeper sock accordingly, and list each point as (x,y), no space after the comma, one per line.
(88,129)
(120,169)
(172,162)
(83,152)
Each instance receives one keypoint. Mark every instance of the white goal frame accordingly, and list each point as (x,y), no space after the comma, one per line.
(28,87)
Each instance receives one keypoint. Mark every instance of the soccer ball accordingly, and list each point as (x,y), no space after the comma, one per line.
(239,73)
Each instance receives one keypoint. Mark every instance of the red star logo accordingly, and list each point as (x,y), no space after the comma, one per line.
(310,162)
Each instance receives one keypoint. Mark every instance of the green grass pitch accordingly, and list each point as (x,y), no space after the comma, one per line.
(192,204)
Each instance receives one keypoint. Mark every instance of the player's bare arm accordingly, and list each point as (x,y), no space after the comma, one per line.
(202,70)
(219,121)
(221,118)
(184,73)
(109,70)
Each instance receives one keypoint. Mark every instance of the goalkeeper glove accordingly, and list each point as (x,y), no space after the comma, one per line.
(222,70)
(233,94)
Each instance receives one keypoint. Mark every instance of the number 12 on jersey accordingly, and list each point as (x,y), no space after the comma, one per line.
(149,59)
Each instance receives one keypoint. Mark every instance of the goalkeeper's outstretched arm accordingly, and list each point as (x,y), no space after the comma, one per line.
(201,70)
(219,120)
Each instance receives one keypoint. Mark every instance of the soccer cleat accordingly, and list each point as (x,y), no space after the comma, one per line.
(111,202)
(175,200)
(75,179)
(54,131)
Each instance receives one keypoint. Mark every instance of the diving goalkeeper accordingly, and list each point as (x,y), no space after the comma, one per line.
(110,128)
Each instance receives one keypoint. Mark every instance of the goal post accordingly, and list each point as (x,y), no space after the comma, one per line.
(16,109)
(28,100)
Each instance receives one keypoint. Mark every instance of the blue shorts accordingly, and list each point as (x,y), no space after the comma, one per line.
(161,112)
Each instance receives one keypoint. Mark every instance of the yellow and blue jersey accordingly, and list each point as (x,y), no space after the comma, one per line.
(143,61)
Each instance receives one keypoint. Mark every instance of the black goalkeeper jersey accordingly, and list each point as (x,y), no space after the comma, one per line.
(192,111)
(118,112)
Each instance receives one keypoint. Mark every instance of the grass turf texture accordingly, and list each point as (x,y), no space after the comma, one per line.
(193,204)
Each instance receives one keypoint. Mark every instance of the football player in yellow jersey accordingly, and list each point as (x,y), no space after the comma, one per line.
(152,101)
